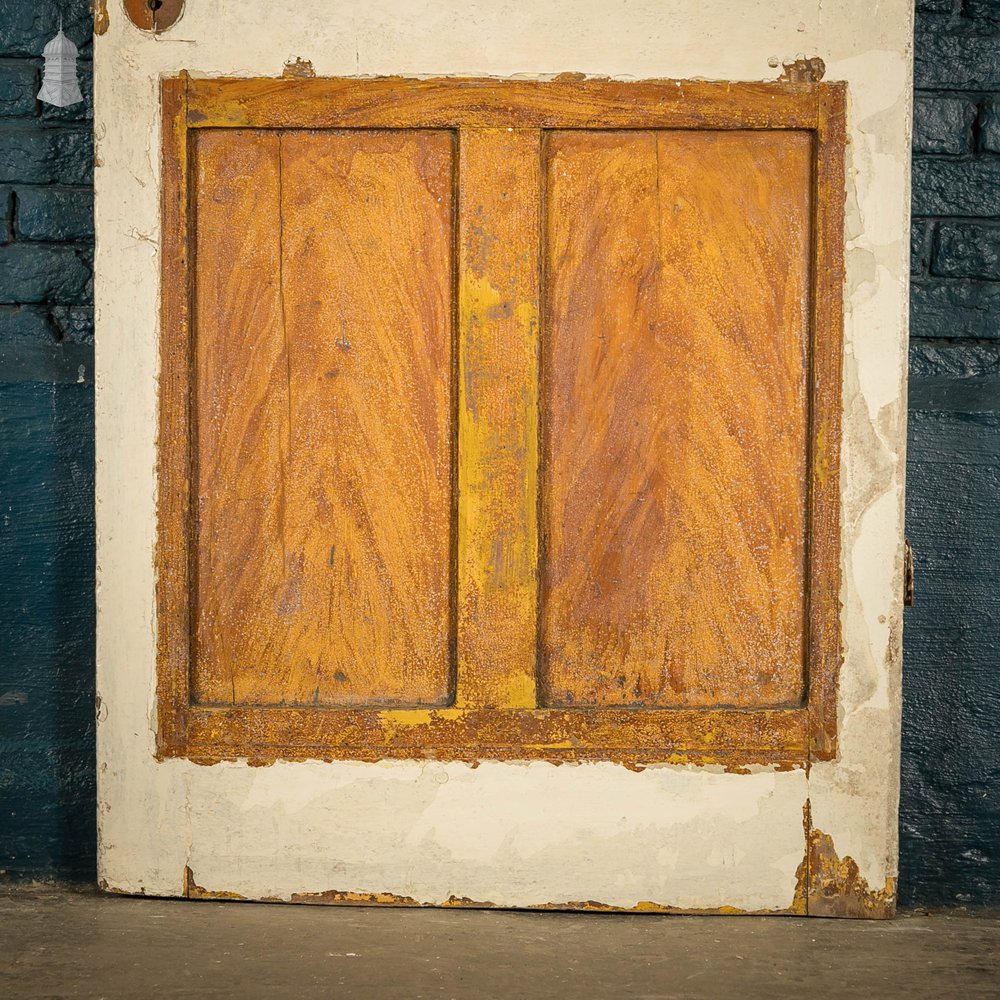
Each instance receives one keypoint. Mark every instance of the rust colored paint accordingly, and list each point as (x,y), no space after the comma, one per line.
(323,417)
(99,9)
(340,897)
(830,886)
(299,68)
(448,102)
(635,737)
(393,417)
(154,15)
(337,897)
(823,654)
(803,71)
(677,327)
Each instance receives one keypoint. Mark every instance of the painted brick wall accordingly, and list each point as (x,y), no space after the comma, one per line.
(950,810)
(47,821)
(950,821)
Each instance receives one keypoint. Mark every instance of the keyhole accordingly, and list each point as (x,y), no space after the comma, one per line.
(154,4)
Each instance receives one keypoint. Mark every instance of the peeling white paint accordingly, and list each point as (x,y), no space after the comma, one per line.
(507,833)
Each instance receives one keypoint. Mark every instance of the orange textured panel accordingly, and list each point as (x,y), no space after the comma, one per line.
(324,418)
(399,516)
(675,361)
(498,418)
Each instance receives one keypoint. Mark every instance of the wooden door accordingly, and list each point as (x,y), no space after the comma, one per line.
(499,484)
(498,421)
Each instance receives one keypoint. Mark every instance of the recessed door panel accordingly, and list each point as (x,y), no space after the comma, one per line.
(323,417)
(676,331)
(509,403)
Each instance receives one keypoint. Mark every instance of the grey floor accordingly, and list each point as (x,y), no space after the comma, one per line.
(61,945)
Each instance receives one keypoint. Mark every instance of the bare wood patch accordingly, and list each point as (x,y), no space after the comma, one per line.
(828,885)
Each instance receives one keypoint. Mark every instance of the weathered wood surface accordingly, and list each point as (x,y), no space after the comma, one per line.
(636,737)
(405,479)
(323,347)
(499,216)
(676,319)
(395,102)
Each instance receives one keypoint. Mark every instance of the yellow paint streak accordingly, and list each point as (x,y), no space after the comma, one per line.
(497,535)
(478,441)
(497,544)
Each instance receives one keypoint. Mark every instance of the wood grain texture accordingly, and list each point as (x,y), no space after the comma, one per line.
(174,546)
(824,650)
(676,314)
(635,737)
(449,102)
(266,730)
(498,417)
(323,405)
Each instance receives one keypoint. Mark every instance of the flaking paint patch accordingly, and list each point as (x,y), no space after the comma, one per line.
(100,10)
(339,897)
(831,886)
(803,70)
(194,891)
(298,68)
(343,897)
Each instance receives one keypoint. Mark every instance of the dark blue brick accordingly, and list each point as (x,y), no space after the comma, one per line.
(954,308)
(984,14)
(921,234)
(42,324)
(26,324)
(74,323)
(35,155)
(942,124)
(954,359)
(957,187)
(32,273)
(967,250)
(26,25)
(19,81)
(54,214)
(955,376)
(989,126)
(956,61)
(937,6)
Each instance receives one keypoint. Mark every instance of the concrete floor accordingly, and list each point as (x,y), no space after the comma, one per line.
(61,945)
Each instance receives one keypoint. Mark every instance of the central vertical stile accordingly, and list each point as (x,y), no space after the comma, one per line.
(498,290)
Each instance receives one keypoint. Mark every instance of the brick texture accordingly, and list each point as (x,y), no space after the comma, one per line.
(47,768)
(950,794)
(54,213)
(46,181)
(942,124)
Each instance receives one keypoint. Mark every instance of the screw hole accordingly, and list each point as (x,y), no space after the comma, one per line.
(154,4)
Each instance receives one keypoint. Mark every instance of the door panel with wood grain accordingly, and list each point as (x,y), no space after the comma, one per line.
(324,417)
(507,422)
(676,358)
